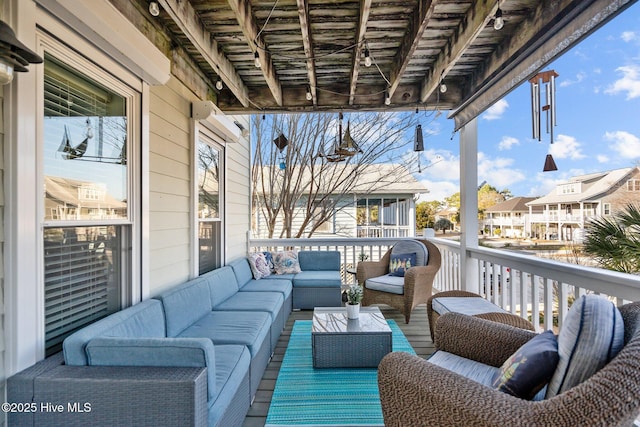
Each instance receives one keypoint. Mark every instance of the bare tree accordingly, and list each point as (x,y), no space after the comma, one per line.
(297,188)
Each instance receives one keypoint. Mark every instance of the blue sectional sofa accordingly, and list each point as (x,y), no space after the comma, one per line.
(317,285)
(191,356)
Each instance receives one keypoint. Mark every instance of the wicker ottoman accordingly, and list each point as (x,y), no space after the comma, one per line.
(338,342)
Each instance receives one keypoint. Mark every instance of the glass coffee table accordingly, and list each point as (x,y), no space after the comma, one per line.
(338,342)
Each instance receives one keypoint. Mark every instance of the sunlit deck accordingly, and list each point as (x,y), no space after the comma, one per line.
(417,332)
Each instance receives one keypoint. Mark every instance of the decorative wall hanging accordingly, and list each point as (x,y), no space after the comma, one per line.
(343,148)
(548,79)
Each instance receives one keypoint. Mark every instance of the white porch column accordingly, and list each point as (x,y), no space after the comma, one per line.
(469,204)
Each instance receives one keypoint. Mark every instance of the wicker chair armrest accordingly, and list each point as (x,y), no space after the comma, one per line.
(478,339)
(369,269)
(98,394)
(414,392)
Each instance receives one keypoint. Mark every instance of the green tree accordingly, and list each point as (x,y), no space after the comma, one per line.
(443,224)
(426,213)
(614,241)
(488,196)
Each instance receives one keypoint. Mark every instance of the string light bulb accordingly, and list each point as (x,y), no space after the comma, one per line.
(367,57)
(154,8)
(387,98)
(256,59)
(219,84)
(443,87)
(309,96)
(498,22)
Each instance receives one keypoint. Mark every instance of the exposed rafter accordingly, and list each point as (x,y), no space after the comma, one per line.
(183,14)
(365,9)
(419,21)
(307,40)
(476,19)
(244,15)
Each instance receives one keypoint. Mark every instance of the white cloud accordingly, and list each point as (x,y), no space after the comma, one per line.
(602,158)
(579,77)
(629,36)
(438,190)
(624,143)
(442,165)
(498,172)
(507,142)
(566,147)
(629,83)
(496,110)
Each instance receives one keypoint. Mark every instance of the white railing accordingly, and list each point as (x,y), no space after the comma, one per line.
(538,289)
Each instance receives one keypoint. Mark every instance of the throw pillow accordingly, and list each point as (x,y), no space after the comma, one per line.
(259,266)
(592,334)
(400,263)
(286,262)
(530,367)
(269,258)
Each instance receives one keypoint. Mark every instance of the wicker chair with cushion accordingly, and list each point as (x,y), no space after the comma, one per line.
(402,293)
(414,391)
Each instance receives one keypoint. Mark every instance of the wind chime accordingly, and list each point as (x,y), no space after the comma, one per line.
(548,79)
(343,148)
(281,142)
(418,143)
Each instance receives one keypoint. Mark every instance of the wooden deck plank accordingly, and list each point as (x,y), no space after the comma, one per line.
(417,332)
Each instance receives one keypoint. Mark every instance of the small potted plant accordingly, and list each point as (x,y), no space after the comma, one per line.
(354,296)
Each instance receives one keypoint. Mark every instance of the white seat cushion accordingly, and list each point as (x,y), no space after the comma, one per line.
(465,305)
(386,283)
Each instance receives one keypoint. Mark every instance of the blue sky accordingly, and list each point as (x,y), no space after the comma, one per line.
(598,121)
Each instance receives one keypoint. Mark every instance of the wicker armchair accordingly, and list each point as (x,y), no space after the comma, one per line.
(418,281)
(415,392)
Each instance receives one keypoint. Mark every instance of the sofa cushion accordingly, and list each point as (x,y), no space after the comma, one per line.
(145,319)
(183,352)
(222,284)
(273,285)
(386,283)
(465,305)
(317,279)
(530,368)
(319,260)
(286,262)
(185,304)
(288,277)
(591,335)
(259,267)
(399,263)
(250,328)
(409,246)
(243,270)
(232,364)
(476,371)
(270,302)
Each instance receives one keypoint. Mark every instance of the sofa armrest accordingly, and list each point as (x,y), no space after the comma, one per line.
(161,352)
(108,396)
(478,339)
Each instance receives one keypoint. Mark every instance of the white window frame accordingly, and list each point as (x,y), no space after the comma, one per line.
(24,273)
(203,133)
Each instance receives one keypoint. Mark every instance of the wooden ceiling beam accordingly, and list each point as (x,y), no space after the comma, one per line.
(249,26)
(186,18)
(417,25)
(470,27)
(307,41)
(365,10)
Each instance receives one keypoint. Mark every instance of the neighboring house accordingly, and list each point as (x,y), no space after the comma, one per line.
(450,213)
(566,210)
(380,203)
(510,217)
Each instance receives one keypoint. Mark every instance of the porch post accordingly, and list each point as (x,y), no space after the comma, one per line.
(469,205)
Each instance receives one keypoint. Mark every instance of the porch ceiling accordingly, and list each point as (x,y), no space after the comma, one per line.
(319,45)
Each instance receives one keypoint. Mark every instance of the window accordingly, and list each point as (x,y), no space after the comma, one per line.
(209,180)
(606,208)
(633,185)
(323,216)
(87,219)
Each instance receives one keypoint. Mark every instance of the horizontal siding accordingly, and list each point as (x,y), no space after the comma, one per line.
(238,194)
(169,186)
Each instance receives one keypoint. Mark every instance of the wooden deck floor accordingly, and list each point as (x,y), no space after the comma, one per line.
(417,332)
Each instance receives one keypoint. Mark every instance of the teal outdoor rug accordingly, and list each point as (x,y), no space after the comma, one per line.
(304,396)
